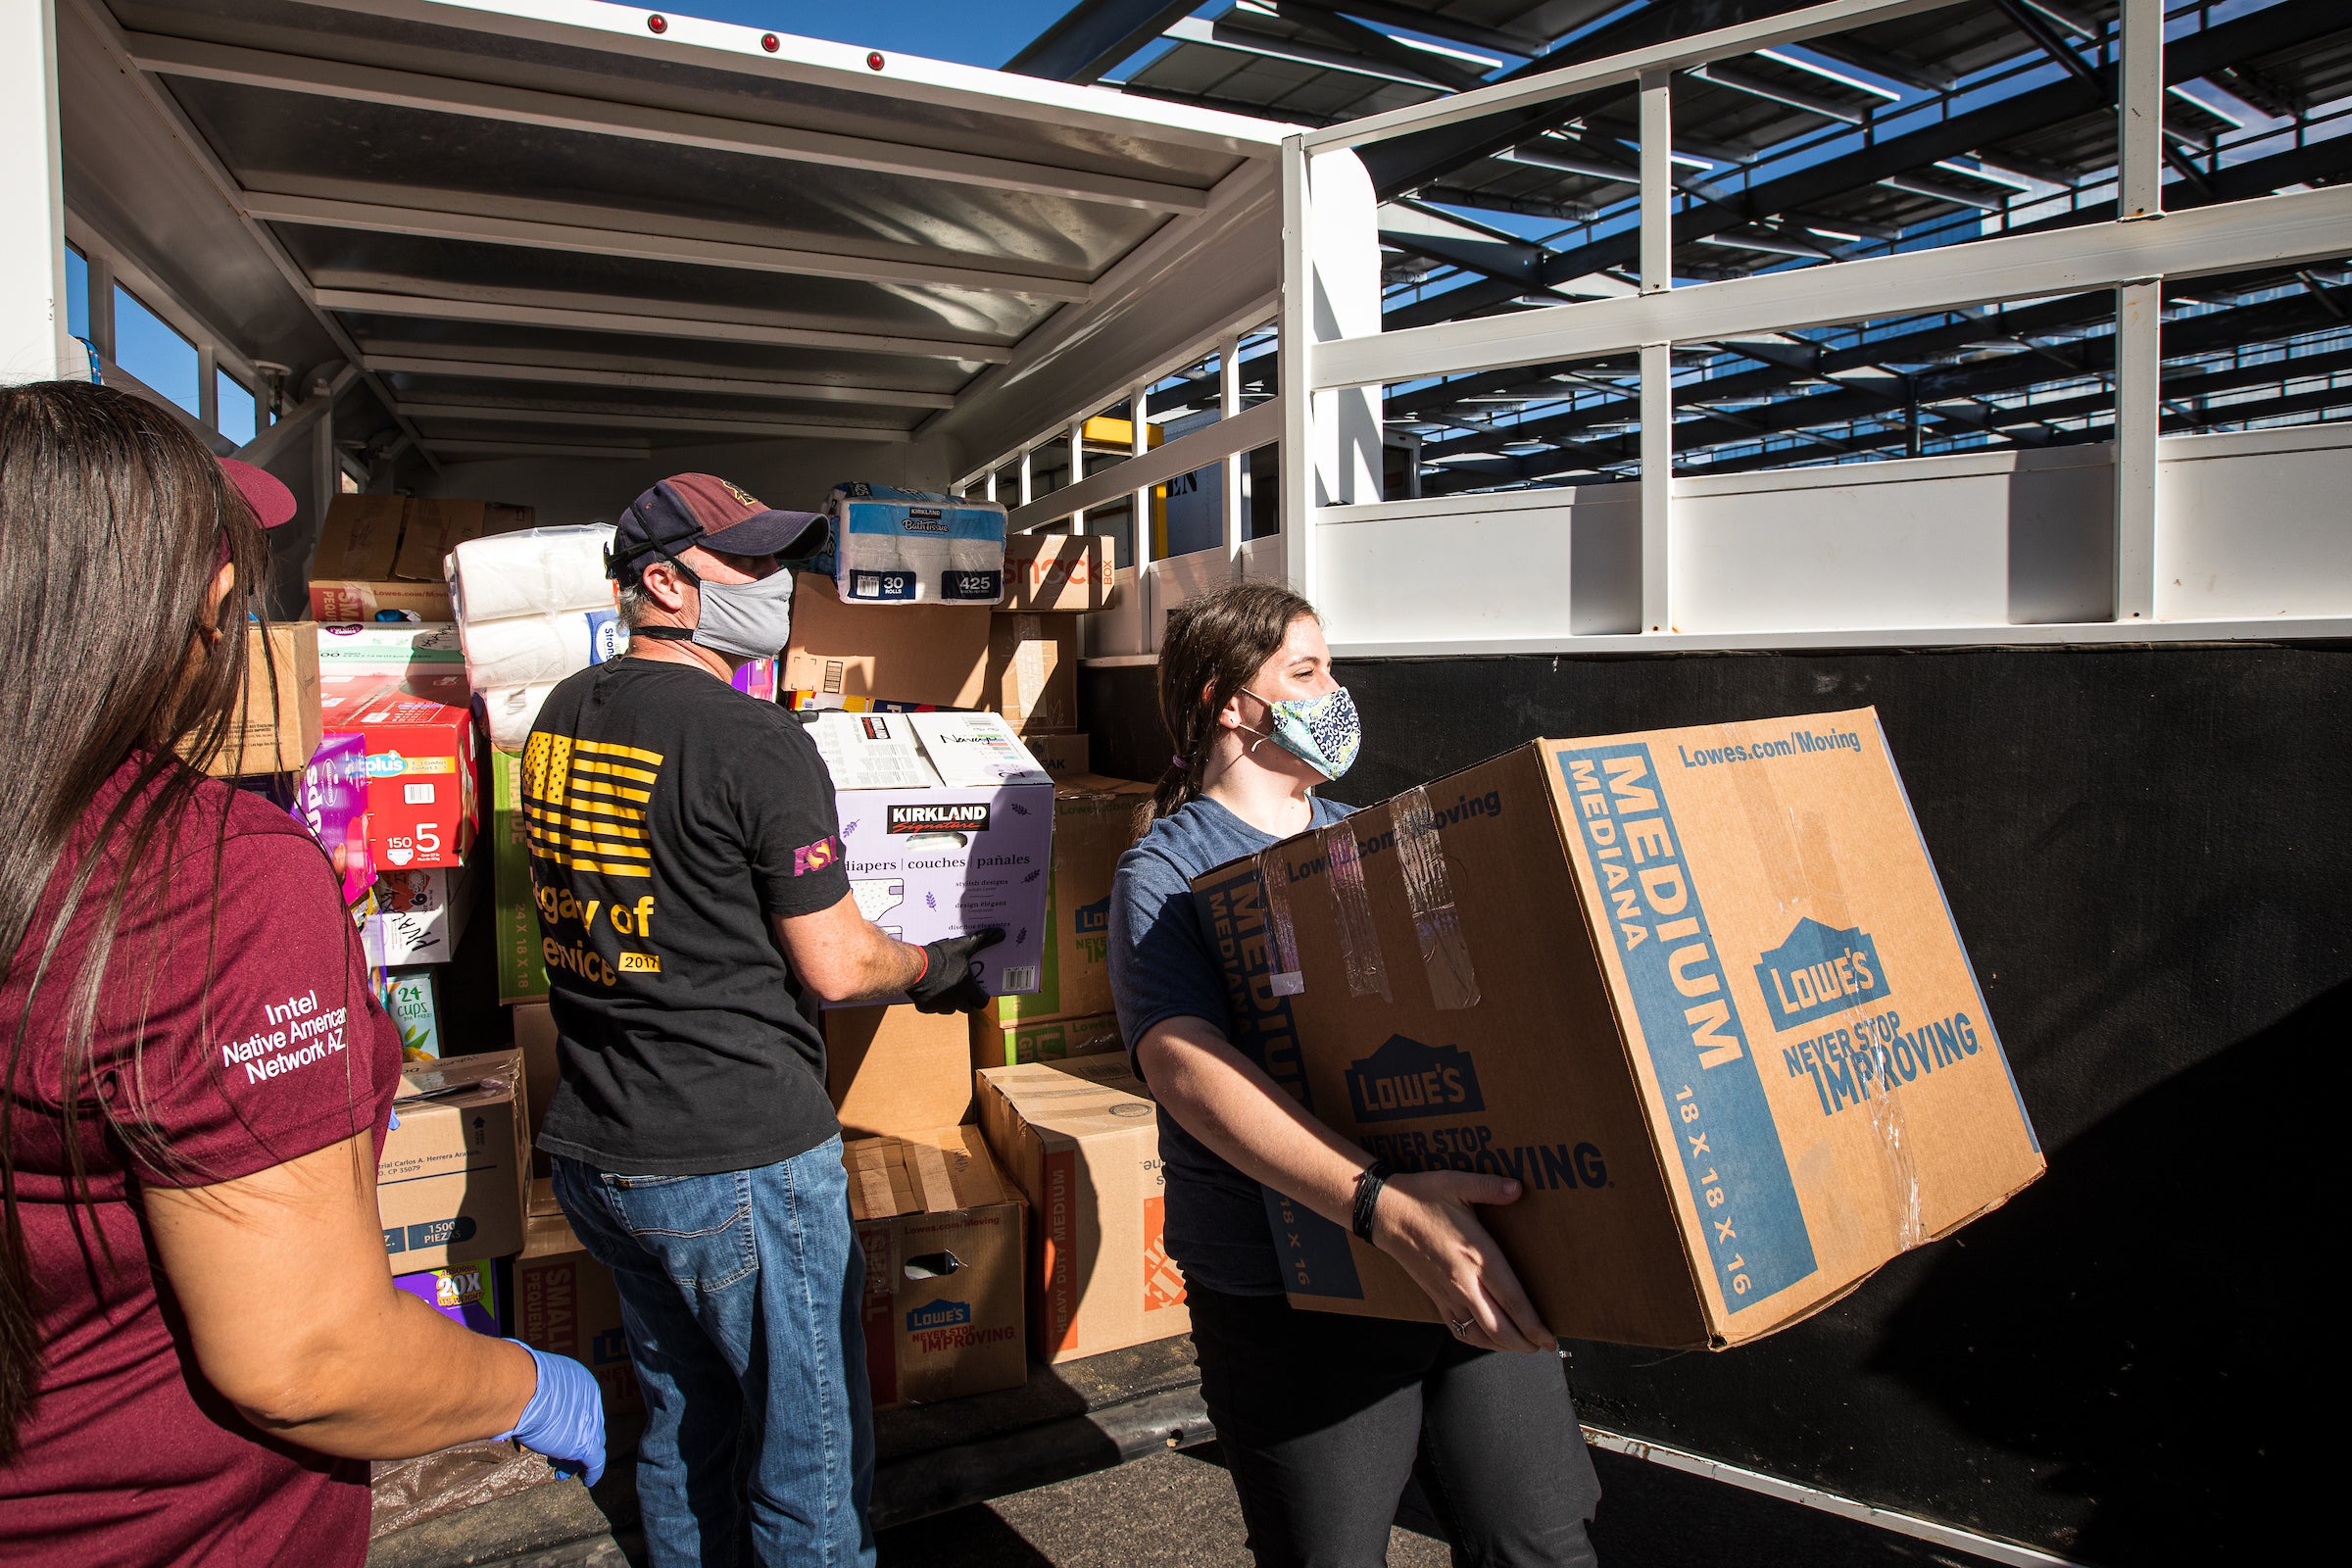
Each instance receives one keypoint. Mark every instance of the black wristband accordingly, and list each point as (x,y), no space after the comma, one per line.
(1368,1183)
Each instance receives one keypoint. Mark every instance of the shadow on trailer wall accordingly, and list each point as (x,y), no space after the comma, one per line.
(2147,851)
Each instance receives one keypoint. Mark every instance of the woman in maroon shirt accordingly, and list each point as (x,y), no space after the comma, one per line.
(200,1345)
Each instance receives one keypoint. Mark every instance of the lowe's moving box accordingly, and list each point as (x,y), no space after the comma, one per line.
(1058,573)
(1057,1039)
(454,1180)
(925,652)
(379,557)
(1093,824)
(1696,990)
(895,1071)
(942,1235)
(275,725)
(1033,672)
(947,827)
(1086,1151)
(564,1302)
(1059,751)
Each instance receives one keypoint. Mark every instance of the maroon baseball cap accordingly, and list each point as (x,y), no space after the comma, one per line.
(702,509)
(271,502)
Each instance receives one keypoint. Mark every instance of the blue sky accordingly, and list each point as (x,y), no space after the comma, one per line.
(972,32)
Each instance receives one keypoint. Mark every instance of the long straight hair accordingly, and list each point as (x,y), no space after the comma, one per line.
(1215,644)
(113,520)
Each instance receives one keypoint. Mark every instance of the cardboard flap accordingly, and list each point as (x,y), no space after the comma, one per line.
(940,1172)
(498,1071)
(361,538)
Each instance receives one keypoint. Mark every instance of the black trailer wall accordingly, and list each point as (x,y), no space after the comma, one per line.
(2149,853)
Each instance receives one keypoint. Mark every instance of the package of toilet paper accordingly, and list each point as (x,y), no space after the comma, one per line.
(532,607)
(915,547)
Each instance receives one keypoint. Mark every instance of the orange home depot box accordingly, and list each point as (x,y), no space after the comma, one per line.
(936,654)
(1086,1151)
(566,1304)
(1696,990)
(379,557)
(895,1071)
(422,796)
(942,1235)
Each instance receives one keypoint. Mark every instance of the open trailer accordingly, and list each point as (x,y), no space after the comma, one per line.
(548,251)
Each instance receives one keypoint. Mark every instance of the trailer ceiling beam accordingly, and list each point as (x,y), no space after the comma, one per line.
(649,375)
(536,449)
(596,312)
(450,95)
(587,239)
(664,416)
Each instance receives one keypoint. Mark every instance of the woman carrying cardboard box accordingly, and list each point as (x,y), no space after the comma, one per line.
(1322,1417)
(200,1342)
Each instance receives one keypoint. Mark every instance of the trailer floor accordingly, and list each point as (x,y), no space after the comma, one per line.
(1110,1463)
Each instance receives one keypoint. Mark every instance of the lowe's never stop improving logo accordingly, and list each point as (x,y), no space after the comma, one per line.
(1820,970)
(939,1315)
(1406,1078)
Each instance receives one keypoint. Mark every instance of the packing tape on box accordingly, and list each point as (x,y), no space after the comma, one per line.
(1794,854)
(1359,939)
(931,1175)
(1274,876)
(1428,898)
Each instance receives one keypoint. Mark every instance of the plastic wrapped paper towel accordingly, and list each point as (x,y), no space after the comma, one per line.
(530,649)
(511,710)
(533,572)
(913,546)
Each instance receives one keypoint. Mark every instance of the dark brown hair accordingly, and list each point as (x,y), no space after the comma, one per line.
(1215,644)
(113,520)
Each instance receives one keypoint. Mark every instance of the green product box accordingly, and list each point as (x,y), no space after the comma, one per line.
(409,998)
(521,971)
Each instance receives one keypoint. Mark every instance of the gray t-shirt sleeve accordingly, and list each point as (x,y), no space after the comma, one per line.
(1160,965)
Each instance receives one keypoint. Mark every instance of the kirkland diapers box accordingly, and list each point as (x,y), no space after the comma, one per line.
(1085,1147)
(1696,990)
(454,1180)
(946,826)
(942,1233)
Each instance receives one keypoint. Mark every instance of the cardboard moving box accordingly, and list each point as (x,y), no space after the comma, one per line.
(896,1072)
(1058,573)
(564,1302)
(379,557)
(946,826)
(535,1037)
(1059,751)
(1086,1151)
(1696,990)
(942,1239)
(1033,672)
(276,724)
(908,653)
(419,915)
(1093,824)
(454,1180)
(1055,1040)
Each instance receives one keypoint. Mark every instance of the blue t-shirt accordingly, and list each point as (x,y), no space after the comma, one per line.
(1162,966)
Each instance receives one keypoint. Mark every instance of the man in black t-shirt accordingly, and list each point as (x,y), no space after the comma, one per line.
(694,912)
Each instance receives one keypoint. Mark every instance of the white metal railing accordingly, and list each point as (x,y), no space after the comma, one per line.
(1336,358)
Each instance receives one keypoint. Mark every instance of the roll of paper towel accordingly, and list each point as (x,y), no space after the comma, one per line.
(527,650)
(534,572)
(511,710)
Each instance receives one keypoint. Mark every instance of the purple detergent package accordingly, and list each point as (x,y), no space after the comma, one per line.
(330,799)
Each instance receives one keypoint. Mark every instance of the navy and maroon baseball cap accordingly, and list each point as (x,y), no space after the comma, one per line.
(702,509)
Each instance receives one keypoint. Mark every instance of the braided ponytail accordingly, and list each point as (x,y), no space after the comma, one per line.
(1215,644)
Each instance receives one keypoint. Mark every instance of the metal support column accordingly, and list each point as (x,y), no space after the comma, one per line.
(2138,312)
(1657,358)
(1140,503)
(1296,326)
(1078,470)
(1236,469)
(33,253)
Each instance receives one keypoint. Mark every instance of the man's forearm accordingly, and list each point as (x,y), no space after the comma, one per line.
(885,967)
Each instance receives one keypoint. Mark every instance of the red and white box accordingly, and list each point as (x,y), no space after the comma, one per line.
(424,803)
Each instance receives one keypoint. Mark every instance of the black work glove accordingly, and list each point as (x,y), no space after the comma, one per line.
(949,984)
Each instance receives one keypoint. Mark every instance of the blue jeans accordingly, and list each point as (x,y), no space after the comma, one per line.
(741,1296)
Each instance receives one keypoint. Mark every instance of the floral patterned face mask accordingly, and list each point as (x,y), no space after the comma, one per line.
(1323,732)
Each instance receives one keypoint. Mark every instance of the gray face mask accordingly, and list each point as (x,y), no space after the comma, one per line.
(747,620)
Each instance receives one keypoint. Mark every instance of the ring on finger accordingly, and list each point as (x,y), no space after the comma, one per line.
(1462,1329)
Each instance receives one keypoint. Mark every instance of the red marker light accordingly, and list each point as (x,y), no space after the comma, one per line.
(769,42)
(873,61)
(657,23)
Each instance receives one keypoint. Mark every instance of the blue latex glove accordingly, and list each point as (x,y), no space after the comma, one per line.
(566,1418)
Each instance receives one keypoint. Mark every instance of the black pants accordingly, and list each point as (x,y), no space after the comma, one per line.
(1323,1417)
